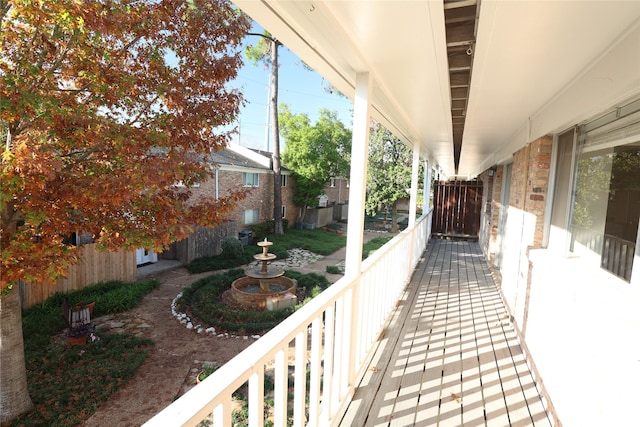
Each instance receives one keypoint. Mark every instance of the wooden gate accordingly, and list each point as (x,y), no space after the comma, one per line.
(456,209)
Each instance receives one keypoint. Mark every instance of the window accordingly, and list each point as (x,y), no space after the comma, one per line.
(284,211)
(251,216)
(596,201)
(606,206)
(332,183)
(283,180)
(250,179)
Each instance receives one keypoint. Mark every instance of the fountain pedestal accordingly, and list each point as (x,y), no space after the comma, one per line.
(265,283)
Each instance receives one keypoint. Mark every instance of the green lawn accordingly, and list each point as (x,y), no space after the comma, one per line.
(316,241)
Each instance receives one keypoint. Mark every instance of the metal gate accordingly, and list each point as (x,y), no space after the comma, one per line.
(456,209)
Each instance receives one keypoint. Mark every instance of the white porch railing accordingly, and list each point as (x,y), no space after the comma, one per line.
(323,348)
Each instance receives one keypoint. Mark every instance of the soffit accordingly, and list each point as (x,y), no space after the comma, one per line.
(525,54)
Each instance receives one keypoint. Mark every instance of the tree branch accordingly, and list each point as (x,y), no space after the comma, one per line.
(5,6)
(143,110)
(264,36)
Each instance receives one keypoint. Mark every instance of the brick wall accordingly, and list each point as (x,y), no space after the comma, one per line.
(530,179)
(491,213)
(260,197)
(538,183)
(339,193)
(529,188)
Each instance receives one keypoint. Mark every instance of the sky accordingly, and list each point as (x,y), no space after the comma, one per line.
(303,90)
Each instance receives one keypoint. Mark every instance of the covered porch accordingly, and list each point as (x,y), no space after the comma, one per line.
(449,355)
(477,91)
(436,349)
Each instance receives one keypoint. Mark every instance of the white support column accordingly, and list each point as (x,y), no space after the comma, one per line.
(635,270)
(426,187)
(358,175)
(355,229)
(413,194)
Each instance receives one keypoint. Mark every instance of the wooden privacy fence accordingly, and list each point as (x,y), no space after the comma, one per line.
(94,266)
(456,209)
(204,241)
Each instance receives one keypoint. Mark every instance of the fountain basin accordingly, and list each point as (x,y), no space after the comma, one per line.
(253,292)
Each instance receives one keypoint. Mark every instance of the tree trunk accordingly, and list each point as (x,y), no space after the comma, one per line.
(394,217)
(277,183)
(14,395)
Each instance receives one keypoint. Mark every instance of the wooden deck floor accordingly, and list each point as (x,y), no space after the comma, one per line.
(449,356)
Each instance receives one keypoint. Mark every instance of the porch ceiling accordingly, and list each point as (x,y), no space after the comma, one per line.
(525,53)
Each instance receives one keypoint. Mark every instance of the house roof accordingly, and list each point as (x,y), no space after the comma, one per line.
(236,156)
(231,158)
(538,67)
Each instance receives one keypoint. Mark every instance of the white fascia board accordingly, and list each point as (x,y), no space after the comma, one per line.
(250,154)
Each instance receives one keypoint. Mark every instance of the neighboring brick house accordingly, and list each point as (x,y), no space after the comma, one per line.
(337,196)
(337,191)
(238,165)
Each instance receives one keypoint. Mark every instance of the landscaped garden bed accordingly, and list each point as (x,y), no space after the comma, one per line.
(208,304)
(67,383)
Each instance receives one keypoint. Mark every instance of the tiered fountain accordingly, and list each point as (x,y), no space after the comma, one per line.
(264,286)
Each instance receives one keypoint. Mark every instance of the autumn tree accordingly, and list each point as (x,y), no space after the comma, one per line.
(104,107)
(315,152)
(388,174)
(266,51)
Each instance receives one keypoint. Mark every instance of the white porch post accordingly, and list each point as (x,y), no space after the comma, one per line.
(426,187)
(413,193)
(635,270)
(355,229)
(358,175)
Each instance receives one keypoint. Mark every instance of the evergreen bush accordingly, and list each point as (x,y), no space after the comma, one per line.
(232,248)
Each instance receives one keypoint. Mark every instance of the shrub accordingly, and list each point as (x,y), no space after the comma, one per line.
(260,231)
(232,248)
(312,283)
(333,269)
